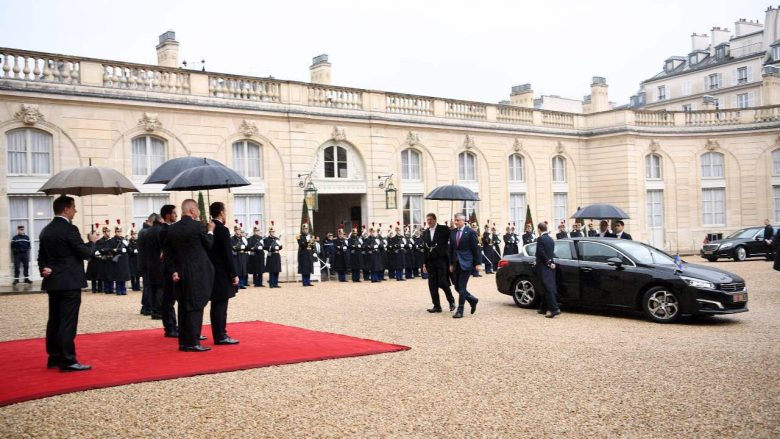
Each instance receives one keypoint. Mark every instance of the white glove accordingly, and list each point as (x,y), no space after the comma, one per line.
(243,246)
(124,250)
(376,245)
(135,251)
(97,253)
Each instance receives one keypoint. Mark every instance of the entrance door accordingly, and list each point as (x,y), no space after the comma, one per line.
(336,209)
(655,218)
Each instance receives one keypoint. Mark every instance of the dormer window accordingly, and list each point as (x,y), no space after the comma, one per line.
(776,53)
(692,59)
(720,52)
(669,66)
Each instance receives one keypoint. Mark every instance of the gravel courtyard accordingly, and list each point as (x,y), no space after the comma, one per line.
(503,372)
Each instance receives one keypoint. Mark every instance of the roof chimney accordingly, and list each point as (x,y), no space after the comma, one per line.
(744,27)
(771,26)
(522,96)
(599,95)
(718,36)
(320,70)
(699,42)
(168,50)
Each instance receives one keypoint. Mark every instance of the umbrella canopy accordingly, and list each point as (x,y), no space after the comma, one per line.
(601,211)
(88,180)
(206,177)
(452,192)
(173,167)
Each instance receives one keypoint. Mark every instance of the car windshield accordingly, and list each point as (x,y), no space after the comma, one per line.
(644,254)
(743,233)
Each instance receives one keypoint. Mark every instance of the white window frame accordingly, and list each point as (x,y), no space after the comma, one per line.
(517,207)
(776,53)
(411,171)
(467,166)
(560,208)
(336,162)
(413,210)
(776,162)
(153,204)
(242,211)
(653,167)
(29,152)
(713,81)
(713,208)
(516,163)
(559,169)
(743,100)
(241,162)
(147,154)
(467,208)
(662,89)
(742,75)
(776,198)
(709,165)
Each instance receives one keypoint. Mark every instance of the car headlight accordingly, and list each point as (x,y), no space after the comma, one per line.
(726,245)
(698,283)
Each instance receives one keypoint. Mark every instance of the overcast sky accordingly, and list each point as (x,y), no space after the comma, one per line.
(472,50)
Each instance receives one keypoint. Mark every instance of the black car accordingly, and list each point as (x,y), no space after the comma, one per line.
(740,245)
(623,274)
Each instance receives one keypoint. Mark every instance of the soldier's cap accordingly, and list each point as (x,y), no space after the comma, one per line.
(255,228)
(237,228)
(117,229)
(106,229)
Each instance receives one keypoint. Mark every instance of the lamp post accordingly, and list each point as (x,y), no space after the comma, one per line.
(310,193)
(391,193)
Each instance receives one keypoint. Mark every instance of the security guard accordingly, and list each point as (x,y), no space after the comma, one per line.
(20,247)
(341,255)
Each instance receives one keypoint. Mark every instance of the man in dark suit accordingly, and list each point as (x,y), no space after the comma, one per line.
(61,261)
(592,231)
(604,230)
(620,233)
(576,232)
(168,298)
(545,269)
(436,241)
(464,257)
(187,242)
(225,275)
(769,233)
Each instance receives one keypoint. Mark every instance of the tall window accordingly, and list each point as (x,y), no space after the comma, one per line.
(517,207)
(247,209)
(742,75)
(559,169)
(33,213)
(652,167)
(148,154)
(413,210)
(714,81)
(776,190)
(560,208)
(516,171)
(661,92)
(410,165)
(714,206)
(468,208)
(145,205)
(467,166)
(776,162)
(655,208)
(743,100)
(335,162)
(712,165)
(29,152)
(247,159)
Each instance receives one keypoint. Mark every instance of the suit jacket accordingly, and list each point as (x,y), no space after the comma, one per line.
(466,254)
(562,235)
(221,256)
(624,235)
(187,242)
(608,235)
(437,250)
(62,250)
(592,233)
(575,234)
(150,249)
(545,251)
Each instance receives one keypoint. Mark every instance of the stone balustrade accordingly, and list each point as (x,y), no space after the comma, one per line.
(20,69)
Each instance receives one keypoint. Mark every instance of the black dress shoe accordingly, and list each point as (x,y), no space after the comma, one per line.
(172,334)
(157,316)
(551,314)
(27,281)
(146,312)
(473,304)
(452,307)
(434,309)
(227,340)
(75,367)
(196,348)
(202,337)
(458,315)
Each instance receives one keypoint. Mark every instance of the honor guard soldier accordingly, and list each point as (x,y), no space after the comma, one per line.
(365,259)
(395,254)
(104,267)
(93,266)
(20,248)
(510,242)
(329,250)
(372,245)
(256,263)
(528,236)
(576,233)
(305,256)
(240,257)
(355,244)
(419,254)
(120,261)
(341,255)
(487,249)
(382,252)
(495,255)
(273,262)
(408,253)
(132,252)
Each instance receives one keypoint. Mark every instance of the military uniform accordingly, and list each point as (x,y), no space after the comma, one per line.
(510,244)
(355,244)
(408,256)
(119,263)
(487,250)
(305,258)
(103,267)
(20,248)
(372,246)
(395,257)
(132,252)
(341,257)
(239,245)
(365,259)
(273,262)
(256,262)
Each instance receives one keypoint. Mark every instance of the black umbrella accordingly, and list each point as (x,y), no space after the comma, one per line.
(600,211)
(206,177)
(173,167)
(452,192)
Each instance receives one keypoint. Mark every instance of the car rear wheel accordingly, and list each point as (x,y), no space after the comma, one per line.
(712,258)
(740,254)
(524,294)
(661,305)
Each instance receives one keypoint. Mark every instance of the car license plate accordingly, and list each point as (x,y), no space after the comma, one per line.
(739,297)
(707,252)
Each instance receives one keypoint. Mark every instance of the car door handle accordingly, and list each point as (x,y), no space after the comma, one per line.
(586,269)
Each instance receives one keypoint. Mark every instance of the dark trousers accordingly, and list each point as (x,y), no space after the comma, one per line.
(156,299)
(61,328)
(273,279)
(549,300)
(22,260)
(167,309)
(306,278)
(398,274)
(342,276)
(108,286)
(135,283)
(461,281)
(438,277)
(146,296)
(257,279)
(366,274)
(355,275)
(409,274)
(218,314)
(121,289)
(190,322)
(376,276)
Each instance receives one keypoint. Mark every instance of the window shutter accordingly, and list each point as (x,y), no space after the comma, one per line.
(735,76)
(750,73)
(668,89)
(751,99)
(734,103)
(720,80)
(706,83)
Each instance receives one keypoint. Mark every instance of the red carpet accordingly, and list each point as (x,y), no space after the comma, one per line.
(126,357)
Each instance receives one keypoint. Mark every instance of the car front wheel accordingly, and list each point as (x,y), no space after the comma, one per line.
(740,254)
(712,258)
(524,294)
(661,305)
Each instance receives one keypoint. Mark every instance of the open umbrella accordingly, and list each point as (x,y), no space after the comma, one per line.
(600,211)
(206,177)
(173,167)
(452,192)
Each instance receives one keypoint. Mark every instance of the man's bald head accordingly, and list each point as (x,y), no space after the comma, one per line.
(189,207)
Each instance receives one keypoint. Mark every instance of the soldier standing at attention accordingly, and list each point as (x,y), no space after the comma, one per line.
(273,264)
(256,262)
(239,246)
(305,257)
(340,256)
(132,251)
(355,244)
(120,261)
(20,247)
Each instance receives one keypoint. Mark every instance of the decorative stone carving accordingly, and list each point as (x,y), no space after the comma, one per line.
(150,122)
(29,114)
(654,145)
(248,128)
(559,148)
(468,142)
(339,134)
(413,139)
(712,145)
(518,145)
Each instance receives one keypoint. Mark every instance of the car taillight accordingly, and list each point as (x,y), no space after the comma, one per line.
(503,263)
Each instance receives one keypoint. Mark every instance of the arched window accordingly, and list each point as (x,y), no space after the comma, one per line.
(653,167)
(712,165)
(148,153)
(558,169)
(29,152)
(776,162)
(335,162)
(410,165)
(467,166)
(248,159)
(516,170)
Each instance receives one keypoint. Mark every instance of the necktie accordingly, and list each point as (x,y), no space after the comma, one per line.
(457,241)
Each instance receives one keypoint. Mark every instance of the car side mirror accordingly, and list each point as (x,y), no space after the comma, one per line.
(615,262)
(759,238)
